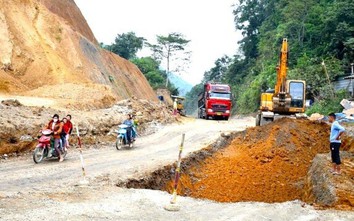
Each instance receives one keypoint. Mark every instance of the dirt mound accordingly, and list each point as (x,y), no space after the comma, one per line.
(11,102)
(47,45)
(20,124)
(265,164)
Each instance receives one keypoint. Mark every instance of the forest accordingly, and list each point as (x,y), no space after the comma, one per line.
(321,40)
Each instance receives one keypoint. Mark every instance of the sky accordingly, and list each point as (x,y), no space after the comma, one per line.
(207,23)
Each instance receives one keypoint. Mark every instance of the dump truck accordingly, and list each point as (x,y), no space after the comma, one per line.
(180,105)
(288,96)
(215,101)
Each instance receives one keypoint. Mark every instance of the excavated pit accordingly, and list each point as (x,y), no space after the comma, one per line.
(264,164)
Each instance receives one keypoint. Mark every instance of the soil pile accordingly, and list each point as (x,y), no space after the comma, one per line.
(267,164)
(48,50)
(264,164)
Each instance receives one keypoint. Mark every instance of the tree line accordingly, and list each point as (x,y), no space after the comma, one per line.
(321,40)
(169,50)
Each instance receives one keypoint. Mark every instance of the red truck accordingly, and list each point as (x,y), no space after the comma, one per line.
(215,101)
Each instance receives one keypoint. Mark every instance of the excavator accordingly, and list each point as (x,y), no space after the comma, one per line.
(288,96)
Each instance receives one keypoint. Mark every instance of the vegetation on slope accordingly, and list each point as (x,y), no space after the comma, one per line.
(321,39)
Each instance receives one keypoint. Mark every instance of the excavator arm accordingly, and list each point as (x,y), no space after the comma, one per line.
(281,97)
(280,86)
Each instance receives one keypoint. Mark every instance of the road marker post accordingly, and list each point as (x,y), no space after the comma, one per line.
(84,181)
(173,205)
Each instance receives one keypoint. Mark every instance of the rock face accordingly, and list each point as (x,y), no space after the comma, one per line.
(47,44)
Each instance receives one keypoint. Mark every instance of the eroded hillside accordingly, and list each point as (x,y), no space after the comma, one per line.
(47,49)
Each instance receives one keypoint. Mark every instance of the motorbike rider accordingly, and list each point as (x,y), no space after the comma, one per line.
(55,126)
(67,129)
(64,133)
(70,126)
(130,123)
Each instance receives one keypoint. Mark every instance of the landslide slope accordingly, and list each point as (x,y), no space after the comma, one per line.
(48,50)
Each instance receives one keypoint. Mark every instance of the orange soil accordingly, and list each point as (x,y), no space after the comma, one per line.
(47,45)
(267,164)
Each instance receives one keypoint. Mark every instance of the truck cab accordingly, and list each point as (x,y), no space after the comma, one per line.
(215,101)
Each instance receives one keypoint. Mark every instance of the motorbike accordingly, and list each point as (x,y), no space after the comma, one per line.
(45,146)
(122,137)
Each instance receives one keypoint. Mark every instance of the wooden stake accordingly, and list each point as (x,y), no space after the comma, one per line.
(178,172)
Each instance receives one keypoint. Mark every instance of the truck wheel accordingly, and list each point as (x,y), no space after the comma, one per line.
(258,120)
(265,121)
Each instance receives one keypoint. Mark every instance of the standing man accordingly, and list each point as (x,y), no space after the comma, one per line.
(336,131)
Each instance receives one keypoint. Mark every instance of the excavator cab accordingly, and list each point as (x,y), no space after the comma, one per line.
(296,90)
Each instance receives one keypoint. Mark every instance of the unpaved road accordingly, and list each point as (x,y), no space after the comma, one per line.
(48,191)
(149,153)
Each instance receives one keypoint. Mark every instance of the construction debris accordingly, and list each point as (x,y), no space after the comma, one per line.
(316,117)
(347,104)
(20,124)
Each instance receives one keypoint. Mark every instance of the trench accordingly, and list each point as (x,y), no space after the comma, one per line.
(263,164)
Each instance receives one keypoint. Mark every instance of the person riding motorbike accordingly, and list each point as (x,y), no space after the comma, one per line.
(130,123)
(69,125)
(65,133)
(55,126)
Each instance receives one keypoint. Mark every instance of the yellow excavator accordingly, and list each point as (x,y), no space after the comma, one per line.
(288,96)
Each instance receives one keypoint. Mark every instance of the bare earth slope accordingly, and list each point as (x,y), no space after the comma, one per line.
(47,45)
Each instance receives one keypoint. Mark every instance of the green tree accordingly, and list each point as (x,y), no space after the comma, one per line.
(150,68)
(155,76)
(171,48)
(217,73)
(126,45)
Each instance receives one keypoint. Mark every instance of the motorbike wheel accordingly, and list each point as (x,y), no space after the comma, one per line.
(38,154)
(119,143)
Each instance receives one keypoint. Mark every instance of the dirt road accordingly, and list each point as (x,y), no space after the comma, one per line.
(48,191)
(149,153)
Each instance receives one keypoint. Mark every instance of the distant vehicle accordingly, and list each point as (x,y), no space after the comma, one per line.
(180,106)
(215,101)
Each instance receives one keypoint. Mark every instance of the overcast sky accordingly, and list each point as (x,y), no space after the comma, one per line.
(208,24)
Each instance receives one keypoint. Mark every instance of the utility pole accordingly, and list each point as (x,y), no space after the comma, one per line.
(329,81)
(352,75)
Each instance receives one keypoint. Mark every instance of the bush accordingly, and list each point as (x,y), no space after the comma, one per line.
(328,105)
